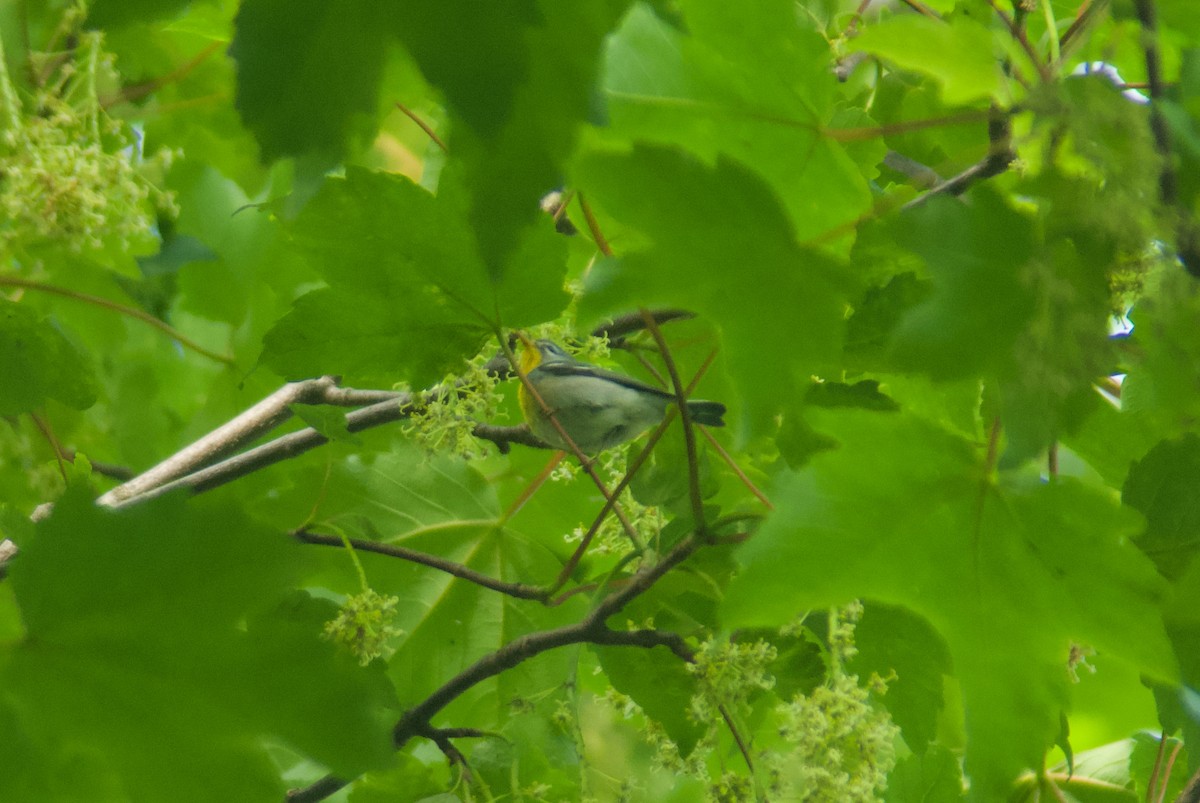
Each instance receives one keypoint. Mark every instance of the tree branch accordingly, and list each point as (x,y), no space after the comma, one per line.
(518,590)
(592,629)
(504,437)
(251,424)
(1000,156)
(196,467)
(617,328)
(1187,245)
(1018,33)
(282,448)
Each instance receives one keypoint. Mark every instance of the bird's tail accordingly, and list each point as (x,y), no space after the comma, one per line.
(706,412)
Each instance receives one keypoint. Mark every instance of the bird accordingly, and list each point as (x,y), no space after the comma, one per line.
(596,407)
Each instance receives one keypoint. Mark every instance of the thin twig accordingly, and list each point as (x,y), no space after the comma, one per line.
(278,450)
(518,590)
(503,437)
(737,737)
(860,133)
(736,469)
(1152,785)
(689,433)
(424,126)
(615,329)
(1166,774)
(1018,33)
(1000,156)
(47,433)
(594,227)
(110,470)
(132,312)
(921,8)
(136,91)
(1084,17)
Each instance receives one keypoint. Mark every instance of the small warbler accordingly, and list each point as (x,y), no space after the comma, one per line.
(598,409)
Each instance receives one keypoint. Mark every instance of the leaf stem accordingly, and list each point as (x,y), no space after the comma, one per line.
(689,433)
(518,590)
(132,312)
(594,227)
(1051,33)
(424,126)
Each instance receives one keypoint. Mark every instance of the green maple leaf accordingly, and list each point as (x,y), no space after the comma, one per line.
(161,643)
(1010,573)
(409,295)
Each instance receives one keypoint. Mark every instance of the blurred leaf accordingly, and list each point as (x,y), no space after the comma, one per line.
(660,684)
(1162,486)
(40,364)
(959,54)
(308,73)
(930,777)
(409,297)
(329,421)
(755,88)
(979,304)
(709,226)
(134,655)
(521,96)
(114,13)
(892,639)
(1165,368)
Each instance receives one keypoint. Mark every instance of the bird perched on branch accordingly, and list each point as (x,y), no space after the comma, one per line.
(598,408)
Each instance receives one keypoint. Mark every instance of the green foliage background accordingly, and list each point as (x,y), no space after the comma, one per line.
(937,389)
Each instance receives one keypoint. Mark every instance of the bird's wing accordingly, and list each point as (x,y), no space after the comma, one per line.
(583,369)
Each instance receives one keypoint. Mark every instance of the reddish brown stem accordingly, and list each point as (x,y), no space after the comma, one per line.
(424,126)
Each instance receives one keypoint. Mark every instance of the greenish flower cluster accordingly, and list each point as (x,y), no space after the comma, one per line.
(611,538)
(843,745)
(728,674)
(834,745)
(444,417)
(364,627)
(68,177)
